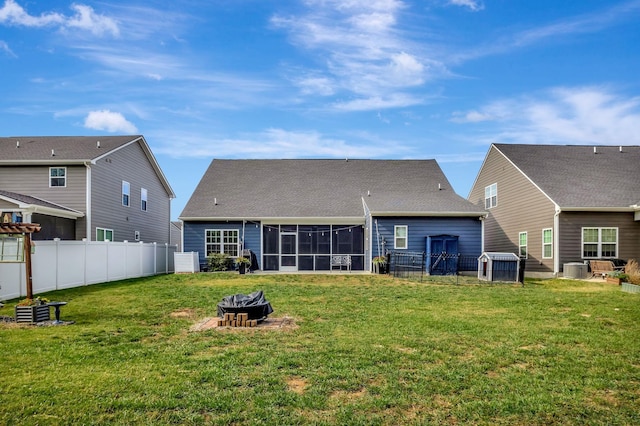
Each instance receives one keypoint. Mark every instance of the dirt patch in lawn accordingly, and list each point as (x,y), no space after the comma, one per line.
(282,324)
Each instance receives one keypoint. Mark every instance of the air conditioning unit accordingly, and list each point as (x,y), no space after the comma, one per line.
(576,270)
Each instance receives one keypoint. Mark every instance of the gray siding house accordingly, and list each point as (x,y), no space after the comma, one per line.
(98,188)
(556,204)
(294,215)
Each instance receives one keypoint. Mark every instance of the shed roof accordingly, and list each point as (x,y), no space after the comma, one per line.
(323,188)
(38,204)
(580,176)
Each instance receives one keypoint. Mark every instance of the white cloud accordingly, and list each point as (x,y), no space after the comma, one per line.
(84,18)
(473,5)
(583,115)
(4,47)
(13,14)
(109,121)
(362,49)
(274,143)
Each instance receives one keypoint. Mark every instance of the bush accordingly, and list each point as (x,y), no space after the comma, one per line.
(632,269)
(220,262)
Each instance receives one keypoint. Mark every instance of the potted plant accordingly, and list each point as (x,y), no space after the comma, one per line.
(380,264)
(33,310)
(616,277)
(242,263)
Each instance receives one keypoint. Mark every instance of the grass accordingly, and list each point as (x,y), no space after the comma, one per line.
(367,350)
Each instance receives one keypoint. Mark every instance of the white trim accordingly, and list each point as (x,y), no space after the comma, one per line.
(58,177)
(395,237)
(526,246)
(543,243)
(88,202)
(105,230)
(599,242)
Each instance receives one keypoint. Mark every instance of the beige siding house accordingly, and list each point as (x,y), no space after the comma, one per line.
(558,204)
(98,188)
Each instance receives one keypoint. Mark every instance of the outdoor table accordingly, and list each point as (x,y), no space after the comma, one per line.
(57,306)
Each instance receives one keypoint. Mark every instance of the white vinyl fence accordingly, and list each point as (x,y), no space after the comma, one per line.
(65,264)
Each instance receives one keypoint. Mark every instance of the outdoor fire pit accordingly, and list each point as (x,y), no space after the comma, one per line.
(254,305)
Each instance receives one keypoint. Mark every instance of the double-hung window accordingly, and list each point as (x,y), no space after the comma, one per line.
(547,243)
(400,237)
(126,193)
(599,242)
(491,196)
(522,244)
(57,176)
(222,241)
(143,199)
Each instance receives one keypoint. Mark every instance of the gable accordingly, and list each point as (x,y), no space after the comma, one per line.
(579,176)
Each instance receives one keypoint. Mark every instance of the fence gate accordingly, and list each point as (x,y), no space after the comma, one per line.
(405,264)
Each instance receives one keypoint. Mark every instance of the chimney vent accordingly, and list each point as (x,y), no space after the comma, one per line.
(595,149)
(17,144)
(98,144)
(215,201)
(53,153)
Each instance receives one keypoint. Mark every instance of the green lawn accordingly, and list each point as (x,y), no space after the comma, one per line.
(367,350)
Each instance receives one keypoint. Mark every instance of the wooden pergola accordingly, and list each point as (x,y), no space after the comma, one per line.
(25,229)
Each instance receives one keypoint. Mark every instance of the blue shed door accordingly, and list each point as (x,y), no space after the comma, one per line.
(442,254)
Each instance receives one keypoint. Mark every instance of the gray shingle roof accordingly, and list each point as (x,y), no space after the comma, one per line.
(323,189)
(30,200)
(66,148)
(573,176)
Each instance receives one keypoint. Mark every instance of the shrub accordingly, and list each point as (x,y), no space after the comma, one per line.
(220,262)
(632,269)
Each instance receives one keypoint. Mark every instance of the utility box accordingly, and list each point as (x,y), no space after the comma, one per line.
(494,266)
(575,270)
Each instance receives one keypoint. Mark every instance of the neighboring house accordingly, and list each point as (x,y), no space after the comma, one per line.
(176,235)
(294,215)
(558,204)
(93,187)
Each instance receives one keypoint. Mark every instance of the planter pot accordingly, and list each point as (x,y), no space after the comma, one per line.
(32,314)
(242,268)
(379,268)
(630,288)
(613,280)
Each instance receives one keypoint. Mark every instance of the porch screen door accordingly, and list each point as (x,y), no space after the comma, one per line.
(289,251)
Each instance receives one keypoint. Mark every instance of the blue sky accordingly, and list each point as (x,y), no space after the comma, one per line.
(373,79)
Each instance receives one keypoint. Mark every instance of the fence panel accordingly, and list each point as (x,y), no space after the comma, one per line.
(406,264)
(65,264)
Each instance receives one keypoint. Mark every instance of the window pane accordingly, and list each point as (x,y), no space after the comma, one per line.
(547,251)
(270,239)
(590,250)
(608,235)
(546,236)
(590,235)
(608,250)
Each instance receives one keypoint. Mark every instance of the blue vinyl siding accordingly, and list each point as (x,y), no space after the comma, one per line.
(468,230)
(194,236)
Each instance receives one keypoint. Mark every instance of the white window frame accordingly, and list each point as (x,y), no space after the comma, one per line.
(143,199)
(398,238)
(599,242)
(525,246)
(491,196)
(104,234)
(63,177)
(126,193)
(226,241)
(547,244)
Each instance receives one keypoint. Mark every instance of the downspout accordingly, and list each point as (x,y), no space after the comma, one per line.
(88,203)
(556,241)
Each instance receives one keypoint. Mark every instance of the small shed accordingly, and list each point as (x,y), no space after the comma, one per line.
(494,266)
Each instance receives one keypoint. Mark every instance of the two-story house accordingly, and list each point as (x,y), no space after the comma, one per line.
(556,204)
(94,187)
